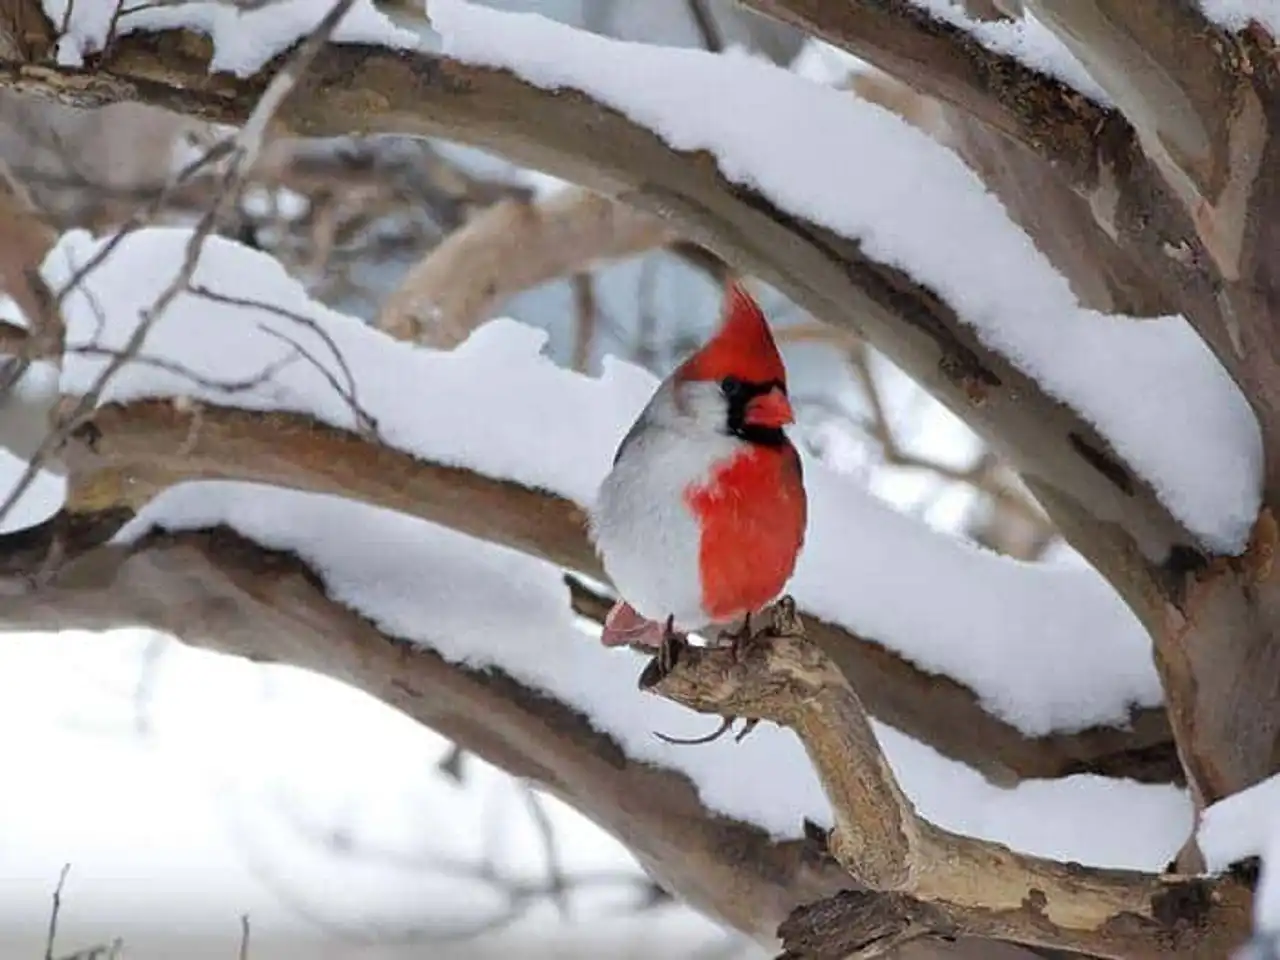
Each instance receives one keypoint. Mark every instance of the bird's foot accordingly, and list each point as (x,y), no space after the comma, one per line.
(738,641)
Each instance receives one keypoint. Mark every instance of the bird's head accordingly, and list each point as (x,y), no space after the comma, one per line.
(736,382)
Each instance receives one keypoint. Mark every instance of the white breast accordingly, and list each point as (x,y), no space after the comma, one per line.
(647,537)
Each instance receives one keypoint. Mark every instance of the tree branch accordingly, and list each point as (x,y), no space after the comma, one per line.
(125,455)
(1108,512)
(912,879)
(567,134)
(512,246)
(943,61)
(219,591)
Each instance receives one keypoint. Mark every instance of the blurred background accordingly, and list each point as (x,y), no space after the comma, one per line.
(187,791)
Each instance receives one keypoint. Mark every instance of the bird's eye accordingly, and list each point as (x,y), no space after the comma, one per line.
(732,387)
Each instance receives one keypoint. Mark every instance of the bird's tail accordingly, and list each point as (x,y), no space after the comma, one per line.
(624,627)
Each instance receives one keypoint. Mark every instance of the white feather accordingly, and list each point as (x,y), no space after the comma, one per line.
(646,535)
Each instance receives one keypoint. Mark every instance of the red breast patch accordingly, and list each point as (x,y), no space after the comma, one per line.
(752,514)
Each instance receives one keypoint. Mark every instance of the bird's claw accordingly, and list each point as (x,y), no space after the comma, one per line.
(738,641)
(725,726)
(669,650)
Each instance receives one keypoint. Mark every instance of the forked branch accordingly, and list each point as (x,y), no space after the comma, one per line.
(915,880)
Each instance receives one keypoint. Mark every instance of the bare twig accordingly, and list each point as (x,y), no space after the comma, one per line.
(53,913)
(558,883)
(451,763)
(244,150)
(587,313)
(365,422)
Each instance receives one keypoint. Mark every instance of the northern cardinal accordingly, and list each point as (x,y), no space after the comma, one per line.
(702,517)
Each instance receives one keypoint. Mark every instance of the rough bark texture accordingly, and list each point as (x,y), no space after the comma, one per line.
(913,880)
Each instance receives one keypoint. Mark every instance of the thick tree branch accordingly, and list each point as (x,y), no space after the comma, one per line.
(1157,62)
(1175,181)
(126,455)
(922,880)
(25,239)
(358,89)
(513,246)
(218,591)
(1057,122)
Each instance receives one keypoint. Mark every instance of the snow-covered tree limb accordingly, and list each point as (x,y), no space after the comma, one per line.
(1111,511)
(222,592)
(128,454)
(1206,592)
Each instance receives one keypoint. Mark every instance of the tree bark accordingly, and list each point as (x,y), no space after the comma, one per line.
(914,880)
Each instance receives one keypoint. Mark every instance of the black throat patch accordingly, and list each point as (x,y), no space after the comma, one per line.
(739,393)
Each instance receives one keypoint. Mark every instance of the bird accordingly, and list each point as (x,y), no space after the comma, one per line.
(701,519)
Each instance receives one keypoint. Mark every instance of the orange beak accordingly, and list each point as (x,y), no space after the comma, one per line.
(772,410)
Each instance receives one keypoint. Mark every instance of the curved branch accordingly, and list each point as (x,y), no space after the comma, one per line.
(125,455)
(218,591)
(915,880)
(512,246)
(1058,123)
(355,89)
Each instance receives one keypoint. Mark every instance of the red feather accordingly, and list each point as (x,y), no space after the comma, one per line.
(752,514)
(743,347)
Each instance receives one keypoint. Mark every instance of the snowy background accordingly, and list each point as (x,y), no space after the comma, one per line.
(187,790)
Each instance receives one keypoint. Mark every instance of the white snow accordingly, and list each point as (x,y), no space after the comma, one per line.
(824,63)
(1046,647)
(1236,15)
(481,605)
(175,830)
(1026,40)
(1151,387)
(1247,824)
(1240,825)
(243,40)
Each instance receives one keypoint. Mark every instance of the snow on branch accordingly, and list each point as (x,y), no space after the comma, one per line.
(862,172)
(1025,39)
(478,641)
(481,605)
(1045,648)
(243,39)
(1239,14)
(846,282)
(1240,827)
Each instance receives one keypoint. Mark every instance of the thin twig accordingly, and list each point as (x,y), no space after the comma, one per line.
(53,914)
(365,422)
(557,882)
(244,150)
